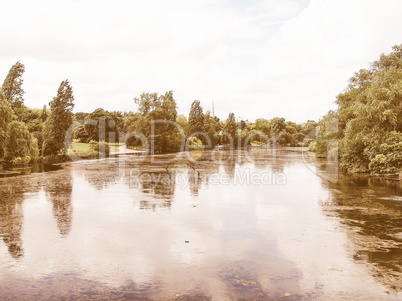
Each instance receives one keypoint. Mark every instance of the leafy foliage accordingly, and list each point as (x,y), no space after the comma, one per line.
(230,129)
(211,127)
(196,118)
(158,114)
(102,147)
(6,115)
(370,118)
(20,142)
(12,89)
(101,125)
(60,120)
(389,156)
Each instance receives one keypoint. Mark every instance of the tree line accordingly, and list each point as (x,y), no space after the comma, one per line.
(27,134)
(365,132)
(157,125)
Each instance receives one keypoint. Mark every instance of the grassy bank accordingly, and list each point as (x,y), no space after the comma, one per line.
(84,150)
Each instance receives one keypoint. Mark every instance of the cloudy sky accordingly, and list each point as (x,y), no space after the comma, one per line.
(256,58)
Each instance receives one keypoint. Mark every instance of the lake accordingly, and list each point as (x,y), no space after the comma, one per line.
(261,224)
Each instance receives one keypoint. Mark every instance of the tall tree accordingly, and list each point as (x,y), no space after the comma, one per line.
(182,121)
(44,115)
(12,89)
(231,128)
(196,118)
(60,120)
(210,128)
(6,116)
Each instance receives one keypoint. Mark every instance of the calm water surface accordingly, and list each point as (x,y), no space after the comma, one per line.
(275,226)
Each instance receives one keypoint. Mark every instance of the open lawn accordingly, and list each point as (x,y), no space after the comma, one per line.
(83,150)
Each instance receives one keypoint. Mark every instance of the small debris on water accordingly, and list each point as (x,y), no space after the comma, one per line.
(187,241)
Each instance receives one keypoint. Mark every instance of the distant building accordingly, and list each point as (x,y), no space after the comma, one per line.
(308,121)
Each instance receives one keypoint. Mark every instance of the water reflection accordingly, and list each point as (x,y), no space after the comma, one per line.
(131,230)
(100,174)
(35,168)
(160,184)
(12,196)
(11,220)
(58,188)
(199,174)
(371,211)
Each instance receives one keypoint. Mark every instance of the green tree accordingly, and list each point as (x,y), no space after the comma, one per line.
(6,116)
(118,124)
(389,156)
(20,143)
(131,124)
(196,119)
(44,114)
(230,129)
(13,91)
(370,118)
(59,121)
(158,118)
(183,123)
(80,116)
(210,128)
(278,131)
(100,125)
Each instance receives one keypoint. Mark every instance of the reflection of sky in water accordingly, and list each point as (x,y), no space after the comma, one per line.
(217,240)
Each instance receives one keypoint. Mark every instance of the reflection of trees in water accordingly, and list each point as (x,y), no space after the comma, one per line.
(230,168)
(100,176)
(199,174)
(11,219)
(59,188)
(156,182)
(11,214)
(153,205)
(195,180)
(262,158)
(372,215)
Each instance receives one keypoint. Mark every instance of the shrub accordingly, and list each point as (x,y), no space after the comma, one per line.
(24,161)
(101,147)
(194,143)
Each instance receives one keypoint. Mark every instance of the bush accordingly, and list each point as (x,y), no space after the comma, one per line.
(194,143)
(312,147)
(101,147)
(389,158)
(24,161)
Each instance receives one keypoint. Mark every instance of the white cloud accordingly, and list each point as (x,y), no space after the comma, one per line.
(258,59)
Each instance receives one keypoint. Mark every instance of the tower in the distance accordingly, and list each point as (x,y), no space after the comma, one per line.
(213,112)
